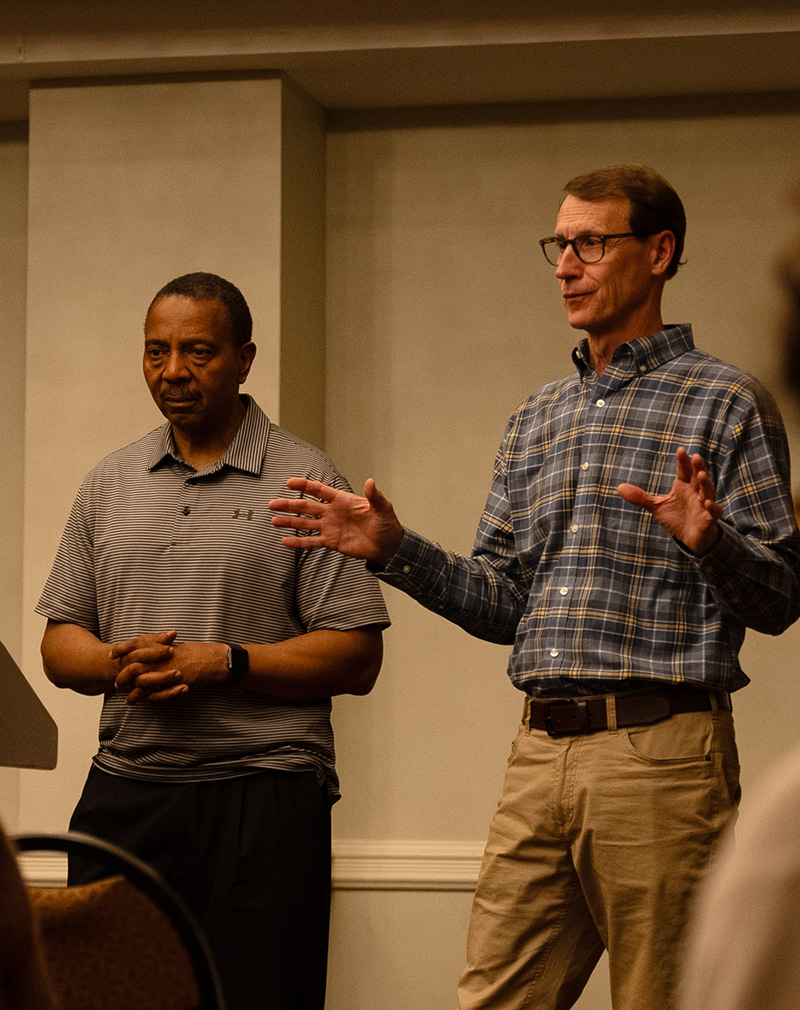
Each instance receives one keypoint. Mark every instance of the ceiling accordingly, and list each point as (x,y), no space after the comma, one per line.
(355,54)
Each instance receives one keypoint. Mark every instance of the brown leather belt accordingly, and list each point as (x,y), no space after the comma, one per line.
(635,708)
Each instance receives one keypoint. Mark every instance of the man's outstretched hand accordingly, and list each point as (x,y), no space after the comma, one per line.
(689,512)
(361,527)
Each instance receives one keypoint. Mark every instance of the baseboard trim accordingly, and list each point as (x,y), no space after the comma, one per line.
(43,869)
(360,864)
(405,865)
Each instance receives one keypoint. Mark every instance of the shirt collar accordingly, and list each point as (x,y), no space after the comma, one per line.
(246,451)
(640,356)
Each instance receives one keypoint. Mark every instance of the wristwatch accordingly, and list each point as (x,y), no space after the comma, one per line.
(238,664)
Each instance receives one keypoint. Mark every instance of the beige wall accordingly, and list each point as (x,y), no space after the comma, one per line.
(441,316)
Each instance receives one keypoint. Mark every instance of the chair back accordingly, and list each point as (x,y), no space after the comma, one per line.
(127,941)
(106,944)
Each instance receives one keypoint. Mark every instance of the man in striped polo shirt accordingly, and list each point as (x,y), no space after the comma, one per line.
(625,590)
(216,652)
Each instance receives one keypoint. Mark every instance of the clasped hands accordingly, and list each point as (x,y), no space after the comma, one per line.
(367,527)
(152,668)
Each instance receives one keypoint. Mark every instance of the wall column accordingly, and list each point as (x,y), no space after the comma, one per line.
(133,183)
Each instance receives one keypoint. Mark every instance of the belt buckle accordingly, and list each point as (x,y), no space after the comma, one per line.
(581,717)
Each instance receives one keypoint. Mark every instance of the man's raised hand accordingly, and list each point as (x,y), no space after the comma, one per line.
(361,527)
(689,512)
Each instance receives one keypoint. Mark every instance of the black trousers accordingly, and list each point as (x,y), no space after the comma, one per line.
(251,856)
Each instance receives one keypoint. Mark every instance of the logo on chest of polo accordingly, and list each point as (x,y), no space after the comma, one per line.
(243,513)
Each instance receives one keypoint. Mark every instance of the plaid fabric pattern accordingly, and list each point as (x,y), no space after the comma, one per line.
(592,592)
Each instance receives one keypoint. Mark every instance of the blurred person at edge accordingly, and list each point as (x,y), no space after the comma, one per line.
(745,937)
(23,975)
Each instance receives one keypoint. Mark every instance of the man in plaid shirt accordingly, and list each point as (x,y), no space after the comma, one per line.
(639,520)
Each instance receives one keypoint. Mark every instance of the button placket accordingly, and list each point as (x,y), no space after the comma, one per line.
(185,513)
(564,580)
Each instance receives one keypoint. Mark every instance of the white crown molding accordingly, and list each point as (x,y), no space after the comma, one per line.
(469,59)
(38,43)
(358,864)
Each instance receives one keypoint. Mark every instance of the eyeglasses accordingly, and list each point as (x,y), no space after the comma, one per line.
(588,248)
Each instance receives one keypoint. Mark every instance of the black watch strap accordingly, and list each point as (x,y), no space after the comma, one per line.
(238,664)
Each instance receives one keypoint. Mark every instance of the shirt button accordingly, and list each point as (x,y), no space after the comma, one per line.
(554,653)
(584,466)
(642,368)
(574,527)
(406,569)
(601,403)
(186,510)
(563,590)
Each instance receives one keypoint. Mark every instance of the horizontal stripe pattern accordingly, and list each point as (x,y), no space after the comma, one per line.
(593,594)
(151,544)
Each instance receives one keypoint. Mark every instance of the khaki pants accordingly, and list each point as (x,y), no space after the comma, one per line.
(599,841)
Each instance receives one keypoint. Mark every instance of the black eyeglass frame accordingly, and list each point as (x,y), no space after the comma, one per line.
(562,244)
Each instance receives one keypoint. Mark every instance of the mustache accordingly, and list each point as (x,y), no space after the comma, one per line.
(177,394)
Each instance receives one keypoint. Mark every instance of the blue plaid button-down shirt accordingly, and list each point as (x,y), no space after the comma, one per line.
(591,591)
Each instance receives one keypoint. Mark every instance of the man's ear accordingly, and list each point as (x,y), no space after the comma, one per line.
(246,354)
(663,246)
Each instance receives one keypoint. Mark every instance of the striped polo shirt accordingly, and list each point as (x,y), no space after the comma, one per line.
(151,545)
(593,594)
